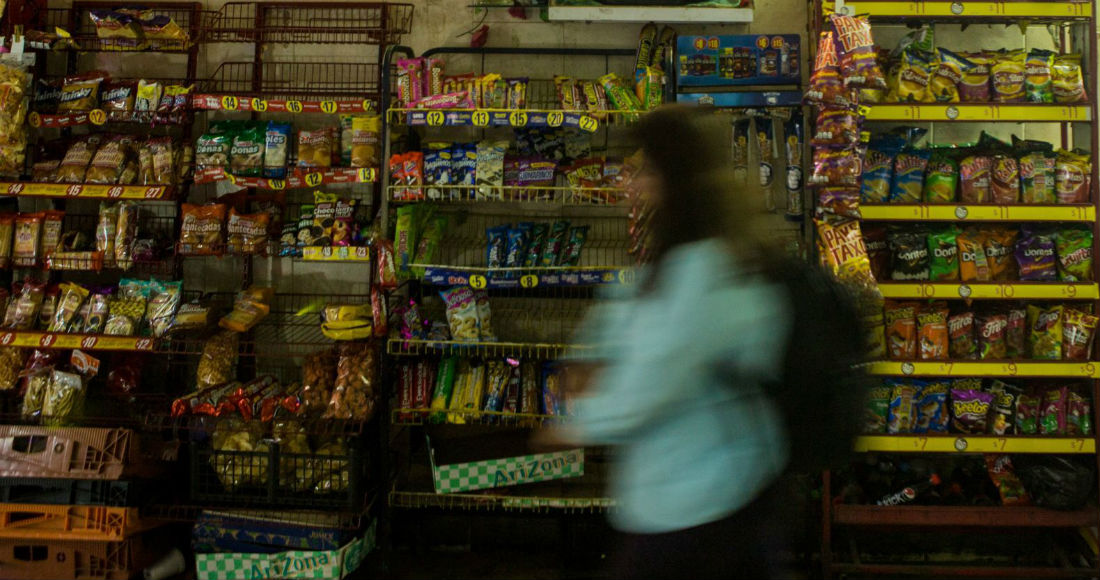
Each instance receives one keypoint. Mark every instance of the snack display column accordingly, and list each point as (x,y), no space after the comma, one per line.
(505,196)
(982,256)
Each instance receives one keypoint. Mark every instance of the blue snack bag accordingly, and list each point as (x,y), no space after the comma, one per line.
(518,238)
(497,246)
(551,403)
(909,168)
(931,403)
(878,169)
(276,144)
(437,170)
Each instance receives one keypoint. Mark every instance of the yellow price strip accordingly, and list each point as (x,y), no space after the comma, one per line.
(480,118)
(517,119)
(230,103)
(478,282)
(97,117)
(313,179)
(555,118)
(434,118)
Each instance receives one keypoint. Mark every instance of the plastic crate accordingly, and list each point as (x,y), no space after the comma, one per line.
(64,452)
(271,478)
(29,559)
(68,522)
(68,491)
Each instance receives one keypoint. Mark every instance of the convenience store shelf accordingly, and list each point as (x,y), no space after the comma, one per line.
(939,516)
(1039,369)
(981,11)
(978,213)
(403,347)
(992,290)
(99,117)
(246,103)
(295,179)
(487,502)
(533,196)
(980,112)
(37,189)
(420,416)
(666,14)
(949,443)
(36,339)
(360,254)
(501,118)
(479,278)
(955,571)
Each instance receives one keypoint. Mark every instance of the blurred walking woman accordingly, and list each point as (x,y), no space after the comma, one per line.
(675,378)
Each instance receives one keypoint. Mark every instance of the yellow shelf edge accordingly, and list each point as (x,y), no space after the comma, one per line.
(961,443)
(980,112)
(978,213)
(990,291)
(1052,369)
(974,10)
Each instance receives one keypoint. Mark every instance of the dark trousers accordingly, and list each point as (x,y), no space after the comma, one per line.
(743,545)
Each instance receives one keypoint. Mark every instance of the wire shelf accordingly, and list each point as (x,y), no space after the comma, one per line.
(188,513)
(530,197)
(308,23)
(507,503)
(420,416)
(347,81)
(77,21)
(410,347)
(153,224)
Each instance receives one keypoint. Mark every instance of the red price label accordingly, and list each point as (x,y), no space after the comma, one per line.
(144,344)
(7,338)
(47,340)
(114,192)
(74,190)
(89,342)
(15,189)
(153,192)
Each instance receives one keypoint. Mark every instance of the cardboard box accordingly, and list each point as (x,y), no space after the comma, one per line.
(506,471)
(244,531)
(327,564)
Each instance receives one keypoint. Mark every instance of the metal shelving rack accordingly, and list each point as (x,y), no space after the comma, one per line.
(1068,15)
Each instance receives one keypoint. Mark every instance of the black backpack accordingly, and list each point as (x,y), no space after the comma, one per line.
(824,386)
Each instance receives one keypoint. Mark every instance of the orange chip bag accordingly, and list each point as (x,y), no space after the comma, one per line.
(247,232)
(1000,247)
(973,264)
(901,330)
(845,253)
(201,229)
(932,332)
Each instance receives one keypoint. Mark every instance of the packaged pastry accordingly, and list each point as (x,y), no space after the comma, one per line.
(118,96)
(276,145)
(162,151)
(25,306)
(366,147)
(249,309)
(106,235)
(72,298)
(246,156)
(201,229)
(75,164)
(81,92)
(110,160)
(247,233)
(213,148)
(315,148)
(28,236)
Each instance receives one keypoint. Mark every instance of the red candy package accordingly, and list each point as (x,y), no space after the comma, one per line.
(856,51)
(1004,477)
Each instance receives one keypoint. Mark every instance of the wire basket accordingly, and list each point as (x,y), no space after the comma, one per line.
(308,23)
(305,80)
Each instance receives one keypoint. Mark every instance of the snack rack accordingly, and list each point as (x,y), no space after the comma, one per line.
(535,311)
(1075,26)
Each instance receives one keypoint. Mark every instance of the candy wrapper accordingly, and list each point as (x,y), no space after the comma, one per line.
(970,410)
(1044,339)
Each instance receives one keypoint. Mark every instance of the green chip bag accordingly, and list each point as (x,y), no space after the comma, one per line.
(1074,247)
(943,255)
(876,410)
(941,178)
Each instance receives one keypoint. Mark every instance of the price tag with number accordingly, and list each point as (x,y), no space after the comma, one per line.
(529,281)
(478,282)
(35,120)
(259,105)
(313,179)
(589,124)
(97,117)
(555,118)
(328,107)
(518,119)
(276,184)
(230,103)
(365,175)
(294,106)
(435,118)
(480,118)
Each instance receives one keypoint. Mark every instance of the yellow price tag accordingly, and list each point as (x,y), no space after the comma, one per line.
(294,106)
(328,107)
(480,118)
(589,124)
(35,120)
(626,276)
(258,105)
(555,118)
(97,117)
(529,281)
(313,179)
(368,105)
(276,184)
(435,118)
(230,103)
(366,175)
(518,119)
(478,282)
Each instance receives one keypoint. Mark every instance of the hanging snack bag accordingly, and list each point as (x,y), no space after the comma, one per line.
(975,179)
(1052,412)
(973,264)
(836,127)
(947,76)
(1027,414)
(52,222)
(1069,84)
(72,298)
(1044,339)
(1000,247)
(1072,177)
(933,342)
(941,178)
(832,166)
(1008,77)
(943,253)
(1038,84)
(992,343)
(845,253)
(826,85)
(1078,332)
(909,167)
(125,234)
(960,328)
(970,411)
(1035,255)
(856,51)
(901,415)
(276,144)
(246,157)
(901,330)
(201,229)
(975,83)
(1074,249)
(910,256)
(462,313)
(1037,177)
(556,239)
(109,161)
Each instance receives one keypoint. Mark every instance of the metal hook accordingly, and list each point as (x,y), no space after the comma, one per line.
(484,15)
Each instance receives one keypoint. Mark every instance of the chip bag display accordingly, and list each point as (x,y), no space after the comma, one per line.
(933,341)
(970,410)
(1074,249)
(1078,332)
(901,330)
(1044,339)
(856,51)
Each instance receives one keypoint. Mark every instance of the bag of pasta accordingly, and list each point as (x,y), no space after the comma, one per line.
(218,357)
(64,399)
(356,382)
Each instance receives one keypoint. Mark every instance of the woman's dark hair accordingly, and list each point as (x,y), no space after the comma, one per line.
(688,150)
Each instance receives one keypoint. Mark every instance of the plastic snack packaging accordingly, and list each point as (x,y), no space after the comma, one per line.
(838,201)
(81,92)
(27,239)
(315,148)
(1072,177)
(1078,415)
(1016,333)
(975,83)
(1052,412)
(148,96)
(930,408)
(556,240)
(1027,415)
(902,415)
(1037,177)
(943,253)
(276,144)
(444,387)
(836,127)
(856,51)
(1004,180)
(428,244)
(960,328)
(201,229)
(1069,85)
(1008,77)
(462,313)
(1036,256)
(1003,417)
(833,166)
(878,170)
(75,163)
(1074,249)
(1045,334)
(1078,332)
(72,298)
(218,357)
(125,234)
(571,254)
(876,410)
(933,340)
(246,155)
(1038,85)
(846,255)
(1000,246)
(1004,478)
(970,410)
(489,174)
(247,233)
(498,375)
(49,306)
(975,179)
(64,400)
(355,389)
(51,231)
(117,96)
(992,343)
(11,368)
(910,256)
(496,246)
(941,178)
(943,86)
(765,149)
(973,263)
(901,330)
(878,251)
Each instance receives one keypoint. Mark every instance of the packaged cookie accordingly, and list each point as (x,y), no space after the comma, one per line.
(201,229)
(162,151)
(960,328)
(462,314)
(246,156)
(315,148)
(1036,256)
(148,96)
(490,168)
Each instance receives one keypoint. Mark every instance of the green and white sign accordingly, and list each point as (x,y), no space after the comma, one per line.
(507,471)
(320,565)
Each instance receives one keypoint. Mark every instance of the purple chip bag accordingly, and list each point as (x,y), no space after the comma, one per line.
(970,410)
(1036,257)
(1052,412)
